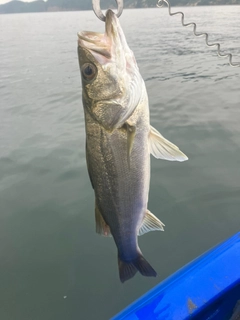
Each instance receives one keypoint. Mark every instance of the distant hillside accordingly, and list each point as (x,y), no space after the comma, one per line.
(19,6)
(73,5)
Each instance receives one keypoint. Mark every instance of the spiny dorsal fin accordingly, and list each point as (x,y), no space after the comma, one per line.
(161,148)
(101,227)
(150,223)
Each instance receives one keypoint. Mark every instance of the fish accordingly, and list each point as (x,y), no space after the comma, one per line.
(119,141)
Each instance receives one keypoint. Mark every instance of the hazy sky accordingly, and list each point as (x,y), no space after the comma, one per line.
(5,1)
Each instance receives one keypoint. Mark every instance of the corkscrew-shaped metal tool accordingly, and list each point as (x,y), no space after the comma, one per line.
(197,34)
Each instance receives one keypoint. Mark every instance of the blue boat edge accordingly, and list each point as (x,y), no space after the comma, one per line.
(208,288)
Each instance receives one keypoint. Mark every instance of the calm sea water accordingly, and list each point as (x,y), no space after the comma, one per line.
(52,264)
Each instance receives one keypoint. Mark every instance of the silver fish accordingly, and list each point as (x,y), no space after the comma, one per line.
(119,140)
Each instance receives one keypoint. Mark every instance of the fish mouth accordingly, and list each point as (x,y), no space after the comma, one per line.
(104,46)
(96,43)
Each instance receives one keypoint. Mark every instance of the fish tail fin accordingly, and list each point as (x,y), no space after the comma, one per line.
(128,269)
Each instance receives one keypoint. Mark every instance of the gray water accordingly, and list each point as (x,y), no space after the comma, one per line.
(52,264)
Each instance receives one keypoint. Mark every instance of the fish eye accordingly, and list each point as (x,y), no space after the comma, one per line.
(89,71)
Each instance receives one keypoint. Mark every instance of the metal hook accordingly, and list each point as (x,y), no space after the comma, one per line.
(98,12)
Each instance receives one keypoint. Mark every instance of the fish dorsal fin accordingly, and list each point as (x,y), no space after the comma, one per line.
(161,148)
(131,132)
(150,223)
(101,227)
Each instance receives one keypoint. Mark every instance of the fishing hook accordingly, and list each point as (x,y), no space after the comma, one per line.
(98,12)
(197,34)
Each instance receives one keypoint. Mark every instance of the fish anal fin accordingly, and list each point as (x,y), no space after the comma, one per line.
(150,223)
(161,148)
(101,227)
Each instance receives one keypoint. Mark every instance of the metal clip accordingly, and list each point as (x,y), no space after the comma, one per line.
(98,12)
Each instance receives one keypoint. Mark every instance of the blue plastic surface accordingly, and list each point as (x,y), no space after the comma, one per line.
(208,288)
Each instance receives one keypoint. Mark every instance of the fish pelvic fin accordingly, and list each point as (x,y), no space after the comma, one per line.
(128,269)
(161,148)
(101,227)
(131,132)
(150,223)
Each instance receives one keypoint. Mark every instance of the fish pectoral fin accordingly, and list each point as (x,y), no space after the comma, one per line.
(88,166)
(150,223)
(101,227)
(161,148)
(131,132)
